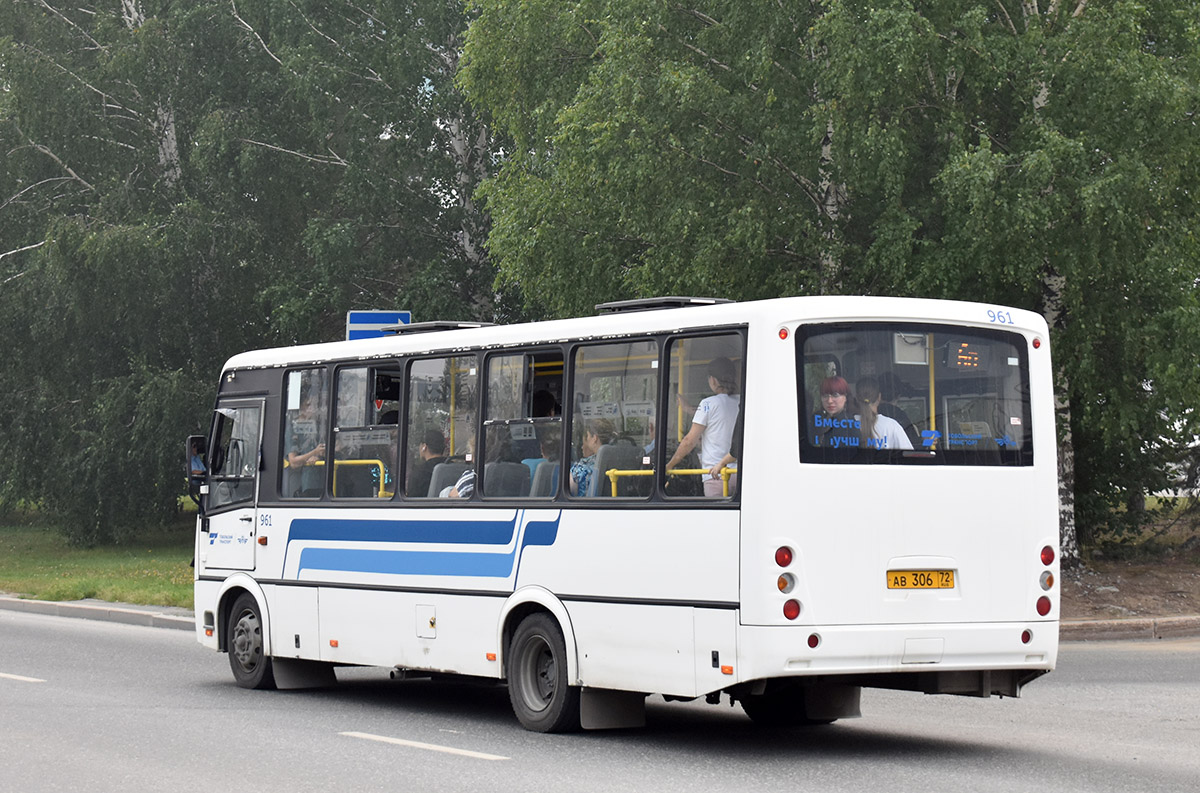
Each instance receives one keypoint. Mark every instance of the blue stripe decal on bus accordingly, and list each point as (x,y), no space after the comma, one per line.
(464,532)
(352,560)
(484,564)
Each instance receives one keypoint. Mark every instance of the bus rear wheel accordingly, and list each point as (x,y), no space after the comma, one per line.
(251,666)
(782,704)
(537,677)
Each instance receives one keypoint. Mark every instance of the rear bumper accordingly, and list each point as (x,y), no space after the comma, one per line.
(772,652)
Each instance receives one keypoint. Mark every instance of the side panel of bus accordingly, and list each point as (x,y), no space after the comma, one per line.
(635,583)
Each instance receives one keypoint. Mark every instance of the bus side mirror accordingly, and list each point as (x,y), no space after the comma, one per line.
(195,453)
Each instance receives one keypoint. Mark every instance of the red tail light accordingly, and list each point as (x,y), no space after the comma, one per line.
(1043,606)
(783,556)
(791,609)
(1047,556)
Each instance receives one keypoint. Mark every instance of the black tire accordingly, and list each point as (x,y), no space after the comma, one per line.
(537,677)
(251,666)
(781,705)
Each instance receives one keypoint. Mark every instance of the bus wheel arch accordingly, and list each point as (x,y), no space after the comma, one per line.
(233,588)
(531,600)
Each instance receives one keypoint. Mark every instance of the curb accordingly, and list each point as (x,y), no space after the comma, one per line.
(1138,628)
(151,616)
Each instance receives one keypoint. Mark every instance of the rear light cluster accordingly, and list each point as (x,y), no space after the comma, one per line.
(787,581)
(1046,581)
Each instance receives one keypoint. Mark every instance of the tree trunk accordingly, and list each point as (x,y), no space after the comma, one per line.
(832,197)
(164,117)
(472,152)
(1053,285)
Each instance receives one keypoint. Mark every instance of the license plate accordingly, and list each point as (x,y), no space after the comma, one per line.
(920,579)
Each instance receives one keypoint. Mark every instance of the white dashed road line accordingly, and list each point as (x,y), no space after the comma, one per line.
(432,747)
(21,678)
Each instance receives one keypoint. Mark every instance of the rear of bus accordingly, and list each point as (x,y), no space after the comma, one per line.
(899,506)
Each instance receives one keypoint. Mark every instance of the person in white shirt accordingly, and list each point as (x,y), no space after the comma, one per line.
(878,431)
(712,426)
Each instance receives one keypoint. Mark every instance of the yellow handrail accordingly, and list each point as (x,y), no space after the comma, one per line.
(932,391)
(339,463)
(376,463)
(614,473)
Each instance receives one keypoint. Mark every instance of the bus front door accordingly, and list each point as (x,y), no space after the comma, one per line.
(234,462)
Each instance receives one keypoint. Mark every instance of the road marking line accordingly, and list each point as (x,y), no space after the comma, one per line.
(22,679)
(418,745)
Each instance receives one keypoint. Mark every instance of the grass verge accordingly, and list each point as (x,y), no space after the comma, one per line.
(36,562)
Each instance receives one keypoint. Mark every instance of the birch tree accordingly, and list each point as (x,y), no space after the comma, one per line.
(1038,154)
(185,181)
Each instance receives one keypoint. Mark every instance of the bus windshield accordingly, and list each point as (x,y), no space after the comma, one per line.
(910,393)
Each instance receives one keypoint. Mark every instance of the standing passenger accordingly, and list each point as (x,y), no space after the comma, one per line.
(878,431)
(712,426)
(306,450)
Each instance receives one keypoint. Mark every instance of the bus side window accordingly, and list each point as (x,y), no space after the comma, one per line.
(704,401)
(523,426)
(364,439)
(443,402)
(306,413)
(612,419)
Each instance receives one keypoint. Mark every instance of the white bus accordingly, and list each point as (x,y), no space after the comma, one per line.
(512,502)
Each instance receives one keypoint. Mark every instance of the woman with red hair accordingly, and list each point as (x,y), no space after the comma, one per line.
(835,427)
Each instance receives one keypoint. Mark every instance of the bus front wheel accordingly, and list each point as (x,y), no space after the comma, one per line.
(537,677)
(251,666)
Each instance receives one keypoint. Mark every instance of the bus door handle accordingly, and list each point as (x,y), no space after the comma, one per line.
(246,520)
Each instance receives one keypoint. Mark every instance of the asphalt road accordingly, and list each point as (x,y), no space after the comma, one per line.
(99,706)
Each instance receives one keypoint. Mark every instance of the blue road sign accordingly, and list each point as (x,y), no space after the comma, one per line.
(370,324)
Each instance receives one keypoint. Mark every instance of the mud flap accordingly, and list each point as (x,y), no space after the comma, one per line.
(604,709)
(295,673)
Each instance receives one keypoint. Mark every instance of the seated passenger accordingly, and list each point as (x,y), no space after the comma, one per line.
(834,427)
(878,431)
(431,452)
(197,462)
(465,486)
(596,433)
(548,439)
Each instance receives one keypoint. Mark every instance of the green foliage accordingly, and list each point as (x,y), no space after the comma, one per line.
(152,568)
(657,149)
(196,181)
(989,150)
(211,177)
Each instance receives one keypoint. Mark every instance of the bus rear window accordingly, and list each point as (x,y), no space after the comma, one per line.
(911,393)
